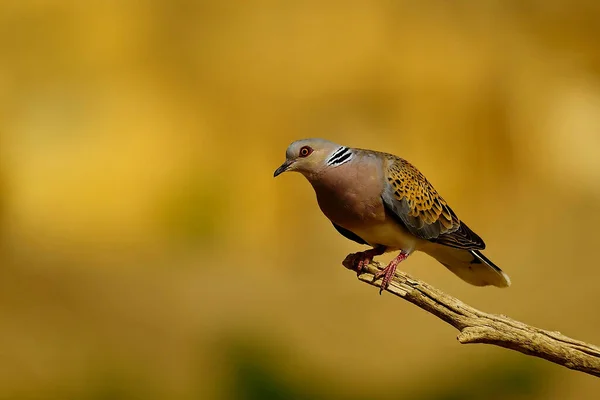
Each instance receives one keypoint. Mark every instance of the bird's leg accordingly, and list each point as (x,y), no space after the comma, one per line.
(357,261)
(388,272)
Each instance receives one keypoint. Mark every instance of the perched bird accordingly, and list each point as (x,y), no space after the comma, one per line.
(381,200)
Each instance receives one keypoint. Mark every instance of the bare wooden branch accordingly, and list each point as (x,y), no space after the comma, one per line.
(478,327)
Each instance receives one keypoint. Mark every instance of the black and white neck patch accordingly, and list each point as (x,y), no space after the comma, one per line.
(340,156)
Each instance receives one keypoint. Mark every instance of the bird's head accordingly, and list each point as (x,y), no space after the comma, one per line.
(308,156)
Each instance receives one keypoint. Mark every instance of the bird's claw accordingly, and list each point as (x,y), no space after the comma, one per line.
(357,261)
(386,274)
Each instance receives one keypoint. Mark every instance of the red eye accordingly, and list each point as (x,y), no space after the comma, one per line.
(305,151)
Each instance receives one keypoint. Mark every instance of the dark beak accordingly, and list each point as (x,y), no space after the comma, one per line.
(284,167)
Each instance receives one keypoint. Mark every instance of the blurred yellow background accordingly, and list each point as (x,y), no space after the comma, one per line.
(148,253)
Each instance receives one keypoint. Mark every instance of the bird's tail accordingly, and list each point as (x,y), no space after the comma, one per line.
(470,265)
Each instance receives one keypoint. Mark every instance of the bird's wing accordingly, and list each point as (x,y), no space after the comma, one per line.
(419,207)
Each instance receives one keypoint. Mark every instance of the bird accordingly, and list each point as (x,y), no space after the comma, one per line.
(381,200)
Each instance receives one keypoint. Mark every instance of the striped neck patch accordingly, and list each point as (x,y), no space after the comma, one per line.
(340,156)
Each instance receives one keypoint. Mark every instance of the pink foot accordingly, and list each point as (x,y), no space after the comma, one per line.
(357,261)
(388,272)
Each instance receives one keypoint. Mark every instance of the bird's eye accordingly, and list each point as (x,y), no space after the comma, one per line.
(305,151)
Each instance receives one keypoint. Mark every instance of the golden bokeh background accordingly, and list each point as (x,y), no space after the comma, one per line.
(148,253)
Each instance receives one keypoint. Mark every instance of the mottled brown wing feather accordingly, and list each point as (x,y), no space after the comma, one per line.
(416,203)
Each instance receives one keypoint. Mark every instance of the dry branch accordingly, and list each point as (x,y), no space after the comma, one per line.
(478,327)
